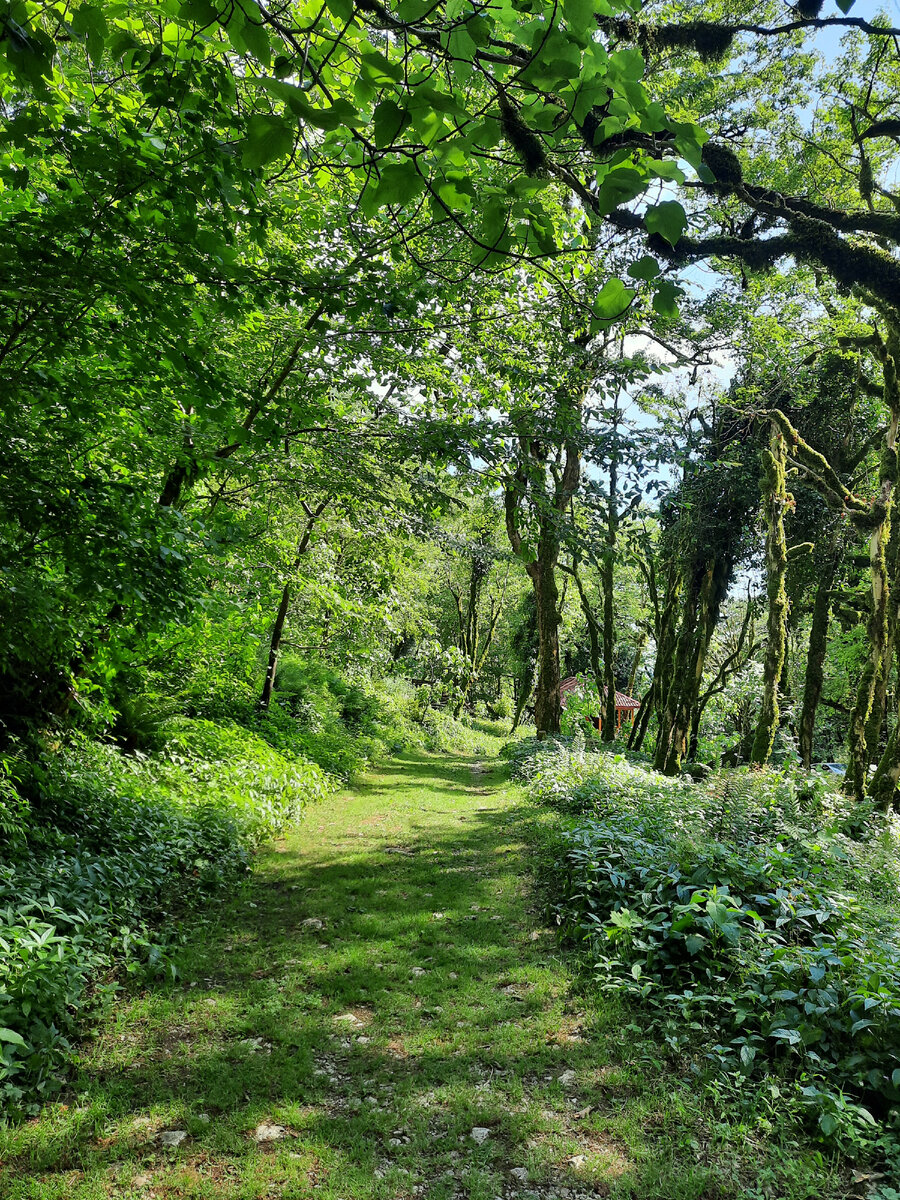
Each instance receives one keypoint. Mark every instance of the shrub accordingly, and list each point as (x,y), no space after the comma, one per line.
(744,909)
(121,851)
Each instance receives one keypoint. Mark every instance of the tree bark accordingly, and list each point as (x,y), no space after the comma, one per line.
(608,576)
(775,501)
(636,663)
(642,720)
(546,595)
(593,626)
(703,602)
(549,486)
(887,773)
(312,515)
(877,624)
(815,658)
(275,647)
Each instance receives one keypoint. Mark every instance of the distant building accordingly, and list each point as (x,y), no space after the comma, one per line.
(626,706)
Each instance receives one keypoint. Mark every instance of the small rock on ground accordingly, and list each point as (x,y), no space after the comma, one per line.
(267,1132)
(172,1137)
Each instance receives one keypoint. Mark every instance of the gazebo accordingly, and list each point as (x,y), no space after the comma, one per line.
(626,706)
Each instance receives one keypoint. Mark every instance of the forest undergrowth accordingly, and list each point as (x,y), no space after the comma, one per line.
(114,853)
(752,918)
(383,1012)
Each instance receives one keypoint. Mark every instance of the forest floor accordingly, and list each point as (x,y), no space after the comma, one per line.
(383,1014)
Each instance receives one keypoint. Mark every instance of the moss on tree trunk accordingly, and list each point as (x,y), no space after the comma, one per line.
(815,658)
(775,502)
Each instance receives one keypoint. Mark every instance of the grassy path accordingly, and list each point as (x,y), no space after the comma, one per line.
(381,1015)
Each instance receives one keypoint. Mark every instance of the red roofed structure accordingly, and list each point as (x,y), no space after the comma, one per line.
(626,706)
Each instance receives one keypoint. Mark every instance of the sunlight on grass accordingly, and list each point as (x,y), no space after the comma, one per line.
(383,989)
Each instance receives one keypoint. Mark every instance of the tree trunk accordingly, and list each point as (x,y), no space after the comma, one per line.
(642,720)
(703,602)
(608,576)
(312,515)
(815,658)
(883,786)
(636,663)
(526,688)
(551,486)
(876,720)
(546,597)
(877,624)
(593,628)
(775,501)
(275,647)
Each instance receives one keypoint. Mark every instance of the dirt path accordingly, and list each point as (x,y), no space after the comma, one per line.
(381,1015)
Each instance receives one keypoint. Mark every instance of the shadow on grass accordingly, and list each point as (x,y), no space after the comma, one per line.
(380,1001)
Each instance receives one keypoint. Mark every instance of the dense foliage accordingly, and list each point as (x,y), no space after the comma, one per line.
(753,914)
(112,861)
(366,371)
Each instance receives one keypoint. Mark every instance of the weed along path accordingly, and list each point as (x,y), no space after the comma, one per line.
(381,1014)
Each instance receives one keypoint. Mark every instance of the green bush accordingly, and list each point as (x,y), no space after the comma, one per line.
(741,909)
(122,853)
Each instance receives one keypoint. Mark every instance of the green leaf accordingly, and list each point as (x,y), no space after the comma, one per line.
(201,12)
(377,67)
(791,1036)
(342,9)
(612,300)
(665,169)
(646,267)
(828,1122)
(748,1053)
(627,64)
(618,187)
(479,30)
(390,120)
(668,219)
(665,299)
(257,42)
(341,114)
(89,22)
(580,14)
(456,192)
(10,1035)
(268,137)
(399,183)
(845,5)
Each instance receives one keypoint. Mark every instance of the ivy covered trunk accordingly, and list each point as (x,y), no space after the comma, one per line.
(608,576)
(541,489)
(642,719)
(541,571)
(664,626)
(546,595)
(815,658)
(593,628)
(275,647)
(775,501)
(700,615)
(525,641)
(877,625)
(887,773)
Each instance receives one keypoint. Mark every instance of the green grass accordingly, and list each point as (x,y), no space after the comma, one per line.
(430,1001)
